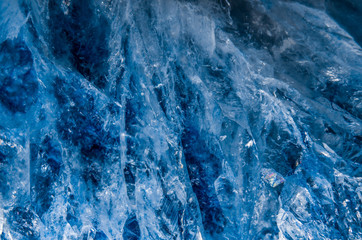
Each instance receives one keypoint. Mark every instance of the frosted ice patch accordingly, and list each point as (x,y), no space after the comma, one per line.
(272,177)
(196,80)
(250,144)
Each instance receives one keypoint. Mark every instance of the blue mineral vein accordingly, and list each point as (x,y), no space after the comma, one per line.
(180,119)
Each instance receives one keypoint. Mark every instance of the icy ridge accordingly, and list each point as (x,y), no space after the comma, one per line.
(179,120)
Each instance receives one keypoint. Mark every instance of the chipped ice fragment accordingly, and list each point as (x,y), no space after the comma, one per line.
(272,177)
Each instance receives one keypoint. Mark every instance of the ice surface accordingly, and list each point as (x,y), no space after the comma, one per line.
(175,119)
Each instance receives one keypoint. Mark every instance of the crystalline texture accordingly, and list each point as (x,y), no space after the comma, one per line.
(180,119)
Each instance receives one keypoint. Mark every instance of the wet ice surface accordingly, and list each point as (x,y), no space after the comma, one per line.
(180,119)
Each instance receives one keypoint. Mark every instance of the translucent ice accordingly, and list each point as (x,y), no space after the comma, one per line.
(180,119)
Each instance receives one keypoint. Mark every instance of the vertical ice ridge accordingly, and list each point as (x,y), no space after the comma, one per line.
(179,120)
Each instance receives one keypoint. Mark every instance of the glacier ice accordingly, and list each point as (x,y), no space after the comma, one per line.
(180,119)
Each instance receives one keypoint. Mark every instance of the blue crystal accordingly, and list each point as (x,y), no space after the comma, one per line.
(180,119)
